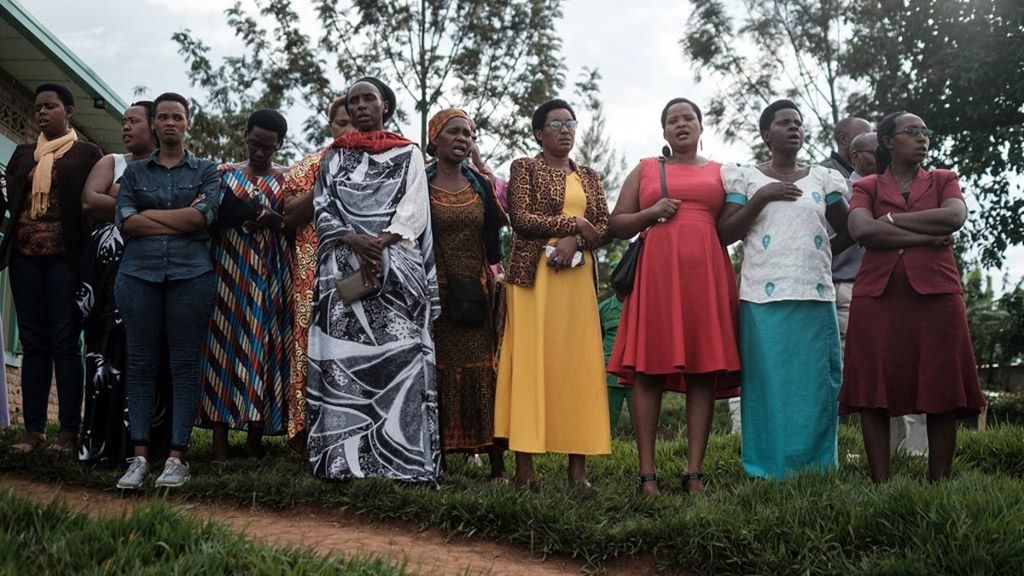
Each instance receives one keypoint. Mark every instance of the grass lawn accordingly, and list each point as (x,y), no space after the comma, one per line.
(51,540)
(815,523)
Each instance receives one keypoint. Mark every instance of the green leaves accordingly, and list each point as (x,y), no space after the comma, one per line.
(496,60)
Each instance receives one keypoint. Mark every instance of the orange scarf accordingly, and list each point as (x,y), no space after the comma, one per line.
(47,152)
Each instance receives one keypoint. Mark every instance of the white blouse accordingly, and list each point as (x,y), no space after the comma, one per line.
(786,252)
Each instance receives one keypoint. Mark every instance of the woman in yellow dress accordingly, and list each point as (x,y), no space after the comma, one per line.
(551,394)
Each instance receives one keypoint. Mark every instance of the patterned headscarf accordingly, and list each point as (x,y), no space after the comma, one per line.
(437,121)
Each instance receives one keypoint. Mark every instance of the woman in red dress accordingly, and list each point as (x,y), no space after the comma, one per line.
(678,325)
(908,350)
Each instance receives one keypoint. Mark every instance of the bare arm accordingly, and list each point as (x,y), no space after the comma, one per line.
(140,225)
(941,221)
(180,220)
(298,210)
(735,220)
(882,235)
(97,202)
(628,219)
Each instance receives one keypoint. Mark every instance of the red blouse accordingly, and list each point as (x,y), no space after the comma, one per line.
(930,269)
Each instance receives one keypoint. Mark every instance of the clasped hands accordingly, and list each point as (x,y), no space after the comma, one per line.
(566,247)
(369,249)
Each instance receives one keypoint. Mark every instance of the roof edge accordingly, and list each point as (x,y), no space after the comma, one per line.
(62,56)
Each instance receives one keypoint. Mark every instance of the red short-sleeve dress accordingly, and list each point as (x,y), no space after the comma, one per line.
(908,348)
(681,317)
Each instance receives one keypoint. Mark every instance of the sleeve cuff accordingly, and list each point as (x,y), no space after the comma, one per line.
(736,198)
(833,197)
(124,214)
(402,230)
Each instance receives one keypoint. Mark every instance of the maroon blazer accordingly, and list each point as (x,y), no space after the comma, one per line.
(930,269)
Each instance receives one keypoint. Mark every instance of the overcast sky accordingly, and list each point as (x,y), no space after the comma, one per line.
(128,43)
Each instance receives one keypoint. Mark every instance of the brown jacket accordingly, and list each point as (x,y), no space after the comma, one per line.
(72,170)
(536,193)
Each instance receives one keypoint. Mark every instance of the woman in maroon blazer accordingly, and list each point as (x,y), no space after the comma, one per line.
(908,350)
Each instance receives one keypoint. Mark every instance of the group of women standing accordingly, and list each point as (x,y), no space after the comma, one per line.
(351,301)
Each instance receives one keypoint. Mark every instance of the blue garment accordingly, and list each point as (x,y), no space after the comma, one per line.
(792,372)
(147,184)
(175,311)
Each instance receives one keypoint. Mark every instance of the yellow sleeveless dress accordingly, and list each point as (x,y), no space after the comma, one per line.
(551,394)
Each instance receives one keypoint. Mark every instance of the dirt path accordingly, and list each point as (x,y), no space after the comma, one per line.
(427,553)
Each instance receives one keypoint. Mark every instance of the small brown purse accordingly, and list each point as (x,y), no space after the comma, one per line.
(352,287)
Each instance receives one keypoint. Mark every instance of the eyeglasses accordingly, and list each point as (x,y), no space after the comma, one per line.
(865,151)
(914,132)
(557,124)
(256,146)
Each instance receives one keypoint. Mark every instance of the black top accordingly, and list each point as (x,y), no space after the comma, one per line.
(72,169)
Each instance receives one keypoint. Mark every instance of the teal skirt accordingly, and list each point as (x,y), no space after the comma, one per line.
(792,372)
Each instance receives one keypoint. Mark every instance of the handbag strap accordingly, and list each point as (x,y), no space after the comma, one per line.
(661,174)
(664,184)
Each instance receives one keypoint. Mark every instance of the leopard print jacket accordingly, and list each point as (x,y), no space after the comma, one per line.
(536,193)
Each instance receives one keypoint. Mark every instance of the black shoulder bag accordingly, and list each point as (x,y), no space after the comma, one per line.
(625,271)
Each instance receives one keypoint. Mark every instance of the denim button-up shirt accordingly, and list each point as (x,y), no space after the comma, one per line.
(149,185)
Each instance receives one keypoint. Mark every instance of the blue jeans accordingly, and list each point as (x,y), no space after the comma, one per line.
(49,329)
(175,311)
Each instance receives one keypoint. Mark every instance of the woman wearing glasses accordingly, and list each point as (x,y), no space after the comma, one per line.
(551,394)
(908,350)
(245,365)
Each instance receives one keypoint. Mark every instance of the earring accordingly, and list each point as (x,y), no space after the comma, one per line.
(666,151)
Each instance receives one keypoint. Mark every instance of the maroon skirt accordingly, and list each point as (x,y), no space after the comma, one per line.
(909,353)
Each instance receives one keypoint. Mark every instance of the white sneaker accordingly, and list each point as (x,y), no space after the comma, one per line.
(136,474)
(174,475)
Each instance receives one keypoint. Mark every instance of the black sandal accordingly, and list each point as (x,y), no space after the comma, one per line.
(691,477)
(644,479)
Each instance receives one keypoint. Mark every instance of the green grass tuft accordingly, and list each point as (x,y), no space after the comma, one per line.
(815,523)
(158,539)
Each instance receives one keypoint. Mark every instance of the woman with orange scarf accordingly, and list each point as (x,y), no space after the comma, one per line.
(466,222)
(43,247)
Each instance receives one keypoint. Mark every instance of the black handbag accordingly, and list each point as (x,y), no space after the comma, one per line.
(466,301)
(625,271)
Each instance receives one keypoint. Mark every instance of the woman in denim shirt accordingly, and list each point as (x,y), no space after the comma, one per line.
(165,285)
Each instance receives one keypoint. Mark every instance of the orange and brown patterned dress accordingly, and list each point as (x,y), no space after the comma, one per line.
(299,181)
(466,371)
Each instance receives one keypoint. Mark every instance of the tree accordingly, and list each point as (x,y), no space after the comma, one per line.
(959,64)
(595,149)
(496,60)
(769,50)
(996,324)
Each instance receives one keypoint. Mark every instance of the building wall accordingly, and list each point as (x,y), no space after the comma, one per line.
(17,126)
(16,114)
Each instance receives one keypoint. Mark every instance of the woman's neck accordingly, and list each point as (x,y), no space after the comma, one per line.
(903,171)
(688,156)
(783,161)
(141,155)
(449,169)
(561,163)
(62,134)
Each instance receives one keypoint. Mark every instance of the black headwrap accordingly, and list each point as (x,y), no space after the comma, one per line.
(385,92)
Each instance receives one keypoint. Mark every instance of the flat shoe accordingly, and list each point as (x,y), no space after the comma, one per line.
(29,442)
